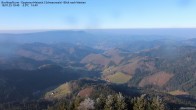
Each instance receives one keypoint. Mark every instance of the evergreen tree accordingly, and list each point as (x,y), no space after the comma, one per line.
(110,105)
(100,102)
(157,104)
(139,103)
(121,104)
(75,103)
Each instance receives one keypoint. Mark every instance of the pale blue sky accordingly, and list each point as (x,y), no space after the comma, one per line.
(102,14)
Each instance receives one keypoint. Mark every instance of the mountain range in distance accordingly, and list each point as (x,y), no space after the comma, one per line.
(63,64)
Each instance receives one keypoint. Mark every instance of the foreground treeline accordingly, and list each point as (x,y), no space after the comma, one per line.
(111,102)
(90,94)
(102,102)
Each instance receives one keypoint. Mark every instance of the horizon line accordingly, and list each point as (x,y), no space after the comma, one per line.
(99,29)
(27,31)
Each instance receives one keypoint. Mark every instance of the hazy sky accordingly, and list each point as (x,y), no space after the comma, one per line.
(101,14)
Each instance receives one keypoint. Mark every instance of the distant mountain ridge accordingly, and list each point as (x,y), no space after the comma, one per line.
(35,64)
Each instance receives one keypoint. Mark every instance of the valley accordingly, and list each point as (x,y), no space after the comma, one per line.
(68,66)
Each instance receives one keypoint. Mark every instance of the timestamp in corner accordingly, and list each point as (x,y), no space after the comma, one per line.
(38,3)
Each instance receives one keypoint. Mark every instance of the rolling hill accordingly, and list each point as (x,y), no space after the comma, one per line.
(38,68)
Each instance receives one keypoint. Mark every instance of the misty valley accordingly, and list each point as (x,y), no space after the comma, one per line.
(133,69)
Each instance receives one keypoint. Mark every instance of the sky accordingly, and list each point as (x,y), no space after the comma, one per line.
(101,14)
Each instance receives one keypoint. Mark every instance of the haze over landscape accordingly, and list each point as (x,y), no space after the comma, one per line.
(102,55)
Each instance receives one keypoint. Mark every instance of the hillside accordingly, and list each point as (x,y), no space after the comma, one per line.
(40,72)
(169,68)
(95,89)
(18,85)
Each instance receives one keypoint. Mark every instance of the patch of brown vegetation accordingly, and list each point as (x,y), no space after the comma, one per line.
(158,79)
(115,56)
(90,66)
(96,59)
(86,92)
(128,68)
(116,59)
(103,59)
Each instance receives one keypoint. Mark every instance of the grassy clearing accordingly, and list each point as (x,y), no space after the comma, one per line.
(59,92)
(119,78)
(178,92)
